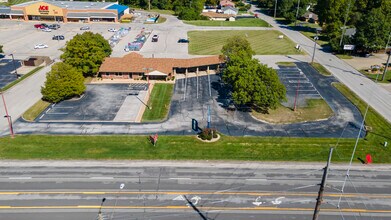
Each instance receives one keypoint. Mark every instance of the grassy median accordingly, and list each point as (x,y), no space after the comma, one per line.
(264,42)
(159,102)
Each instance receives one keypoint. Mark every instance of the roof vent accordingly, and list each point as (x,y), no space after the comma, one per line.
(62,3)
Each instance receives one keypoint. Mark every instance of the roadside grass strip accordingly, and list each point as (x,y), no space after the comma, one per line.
(263,42)
(190,148)
(159,102)
(32,113)
(244,22)
(321,69)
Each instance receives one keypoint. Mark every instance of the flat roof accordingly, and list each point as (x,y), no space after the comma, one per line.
(72,4)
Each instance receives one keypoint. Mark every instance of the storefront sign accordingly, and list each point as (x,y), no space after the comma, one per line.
(43,9)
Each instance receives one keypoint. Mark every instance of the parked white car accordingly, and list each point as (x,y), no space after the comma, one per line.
(47,30)
(40,46)
(112,30)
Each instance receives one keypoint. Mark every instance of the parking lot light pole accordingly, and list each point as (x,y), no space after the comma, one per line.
(8,117)
(315,39)
(13,63)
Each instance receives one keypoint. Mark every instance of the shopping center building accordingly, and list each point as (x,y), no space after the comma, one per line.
(65,11)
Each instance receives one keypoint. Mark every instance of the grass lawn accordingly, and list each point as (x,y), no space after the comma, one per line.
(161,20)
(189,148)
(344,56)
(380,130)
(321,69)
(379,79)
(159,102)
(244,22)
(160,11)
(309,30)
(33,112)
(262,42)
(21,78)
(316,109)
(14,2)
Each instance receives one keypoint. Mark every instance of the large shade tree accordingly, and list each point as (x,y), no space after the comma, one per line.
(86,52)
(62,82)
(252,83)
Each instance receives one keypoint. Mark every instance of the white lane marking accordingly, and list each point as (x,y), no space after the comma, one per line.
(47,110)
(41,116)
(101,177)
(20,178)
(256,179)
(278,201)
(179,178)
(258,201)
(179,198)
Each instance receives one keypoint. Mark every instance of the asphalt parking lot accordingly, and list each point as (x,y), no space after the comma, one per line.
(101,102)
(7,73)
(297,86)
(193,96)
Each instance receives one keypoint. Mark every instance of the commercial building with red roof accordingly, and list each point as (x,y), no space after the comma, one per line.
(135,66)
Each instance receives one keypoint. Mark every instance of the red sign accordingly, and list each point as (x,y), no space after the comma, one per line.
(369,159)
(43,8)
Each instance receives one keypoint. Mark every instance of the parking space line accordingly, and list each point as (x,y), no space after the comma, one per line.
(57,113)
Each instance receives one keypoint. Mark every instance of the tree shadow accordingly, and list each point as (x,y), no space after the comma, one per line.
(224,97)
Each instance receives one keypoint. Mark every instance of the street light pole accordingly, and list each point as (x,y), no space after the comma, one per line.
(116,200)
(13,63)
(297,11)
(344,23)
(315,39)
(275,9)
(8,117)
(386,67)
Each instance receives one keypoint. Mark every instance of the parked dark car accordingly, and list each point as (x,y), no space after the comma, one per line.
(183,40)
(58,37)
(155,38)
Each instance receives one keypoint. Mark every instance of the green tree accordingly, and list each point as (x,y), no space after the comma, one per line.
(86,52)
(252,83)
(62,82)
(238,45)
(372,31)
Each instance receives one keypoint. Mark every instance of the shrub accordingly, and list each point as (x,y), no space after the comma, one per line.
(208,134)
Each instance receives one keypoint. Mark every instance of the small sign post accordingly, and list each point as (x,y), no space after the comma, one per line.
(194,124)
(348,47)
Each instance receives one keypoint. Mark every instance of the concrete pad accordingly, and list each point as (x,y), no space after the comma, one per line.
(130,108)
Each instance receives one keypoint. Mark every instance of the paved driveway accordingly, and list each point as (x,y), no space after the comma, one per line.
(191,99)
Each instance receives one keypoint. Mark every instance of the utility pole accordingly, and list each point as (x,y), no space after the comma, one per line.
(344,23)
(275,9)
(297,11)
(386,67)
(321,189)
(149,5)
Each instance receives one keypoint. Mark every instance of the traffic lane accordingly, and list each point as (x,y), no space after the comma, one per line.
(180,215)
(179,200)
(190,184)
